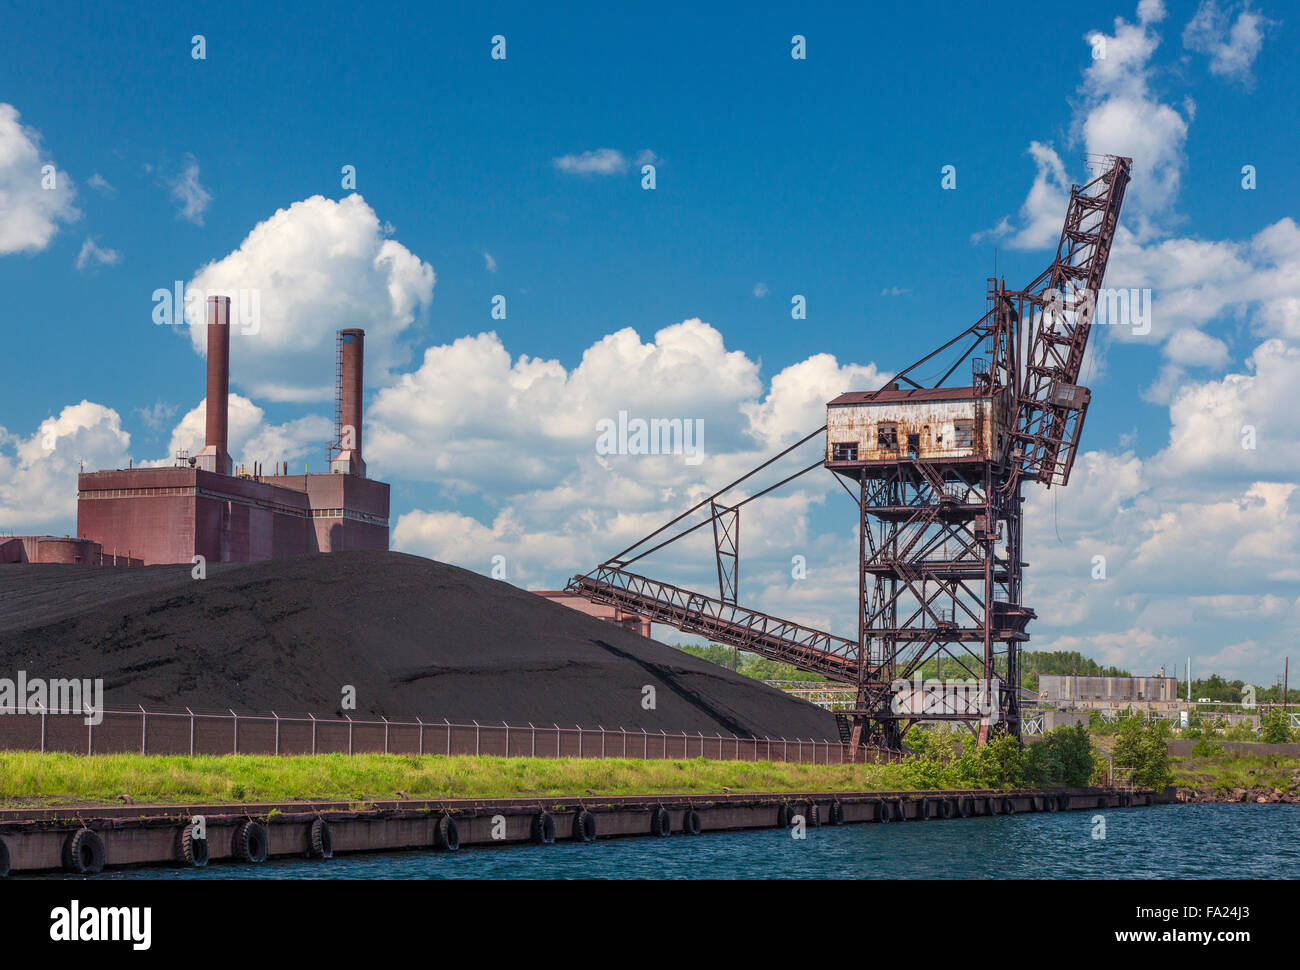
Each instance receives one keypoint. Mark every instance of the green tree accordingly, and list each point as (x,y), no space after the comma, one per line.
(1274,728)
(1206,749)
(1127,752)
(1069,756)
(1153,757)
(1068,663)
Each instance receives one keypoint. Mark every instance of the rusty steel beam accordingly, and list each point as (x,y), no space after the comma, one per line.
(726,548)
(783,640)
(1056,310)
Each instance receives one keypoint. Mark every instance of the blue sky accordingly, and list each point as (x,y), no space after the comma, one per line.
(774,177)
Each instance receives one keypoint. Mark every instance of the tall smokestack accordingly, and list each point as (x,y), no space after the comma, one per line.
(351,360)
(215,456)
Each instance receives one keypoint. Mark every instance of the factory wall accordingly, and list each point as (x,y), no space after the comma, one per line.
(58,550)
(146,511)
(1119,689)
(347,512)
(170,515)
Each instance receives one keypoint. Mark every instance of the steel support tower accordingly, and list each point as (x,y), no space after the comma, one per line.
(939,504)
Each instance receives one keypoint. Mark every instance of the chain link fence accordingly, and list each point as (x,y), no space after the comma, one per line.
(192,733)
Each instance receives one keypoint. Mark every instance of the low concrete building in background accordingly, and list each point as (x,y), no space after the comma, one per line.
(1055,719)
(1107,692)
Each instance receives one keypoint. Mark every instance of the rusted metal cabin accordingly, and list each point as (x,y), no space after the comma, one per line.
(922,424)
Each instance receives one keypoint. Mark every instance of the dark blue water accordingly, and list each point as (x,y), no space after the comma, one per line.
(1169,842)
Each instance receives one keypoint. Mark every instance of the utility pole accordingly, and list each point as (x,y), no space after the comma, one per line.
(1286,669)
(1189,680)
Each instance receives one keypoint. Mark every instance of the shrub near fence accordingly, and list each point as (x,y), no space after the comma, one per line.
(189,732)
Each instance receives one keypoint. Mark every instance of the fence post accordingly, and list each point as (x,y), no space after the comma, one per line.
(277,731)
(785,749)
(719,736)
(236,717)
(42,729)
(645,741)
(421,723)
(90,733)
(385,720)
(602,739)
(534,731)
(557,738)
(686,748)
(477,733)
(579,727)
(507,739)
(701,734)
(448,723)
(144,728)
(665,734)
(349,733)
(313,732)
(624,730)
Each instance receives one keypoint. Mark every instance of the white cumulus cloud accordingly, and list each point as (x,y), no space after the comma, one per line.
(33,200)
(38,473)
(251,438)
(314,268)
(1232,45)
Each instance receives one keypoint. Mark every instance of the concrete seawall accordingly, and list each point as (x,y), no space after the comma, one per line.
(37,840)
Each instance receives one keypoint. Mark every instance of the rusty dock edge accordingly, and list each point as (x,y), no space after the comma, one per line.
(42,840)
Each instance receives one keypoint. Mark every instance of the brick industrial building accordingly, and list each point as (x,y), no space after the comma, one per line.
(610,614)
(200,508)
(58,549)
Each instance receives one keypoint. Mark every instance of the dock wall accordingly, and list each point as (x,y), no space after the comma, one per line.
(37,840)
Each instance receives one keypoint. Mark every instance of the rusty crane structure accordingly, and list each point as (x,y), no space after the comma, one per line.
(936,471)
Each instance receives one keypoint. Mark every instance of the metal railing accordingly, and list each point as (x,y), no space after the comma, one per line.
(191,732)
(1031,722)
(828,696)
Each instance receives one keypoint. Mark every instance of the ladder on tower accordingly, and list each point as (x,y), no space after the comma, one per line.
(334,446)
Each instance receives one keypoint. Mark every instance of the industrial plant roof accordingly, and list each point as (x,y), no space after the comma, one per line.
(908,394)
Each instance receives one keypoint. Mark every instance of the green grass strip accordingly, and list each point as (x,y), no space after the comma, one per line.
(32,779)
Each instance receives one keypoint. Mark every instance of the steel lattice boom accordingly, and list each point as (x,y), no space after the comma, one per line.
(804,647)
(1056,313)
